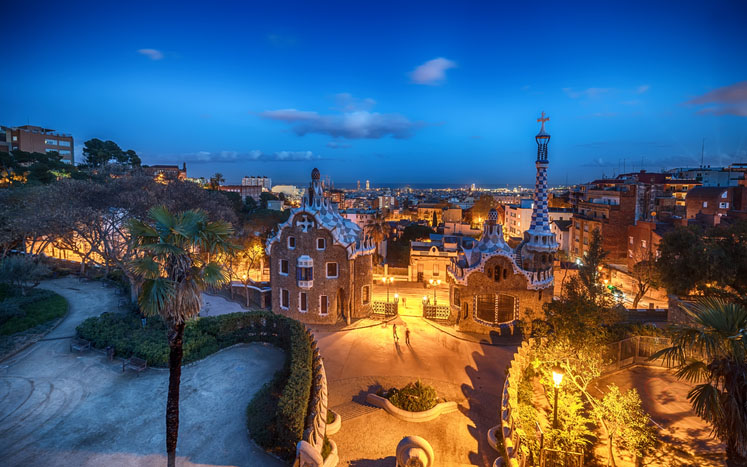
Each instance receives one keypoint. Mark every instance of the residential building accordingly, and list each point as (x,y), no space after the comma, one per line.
(320,263)
(518,217)
(360,217)
(30,138)
(167,172)
(245,191)
(562,231)
(429,260)
(264,182)
(709,204)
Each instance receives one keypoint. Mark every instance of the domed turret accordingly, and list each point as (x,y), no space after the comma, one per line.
(315,175)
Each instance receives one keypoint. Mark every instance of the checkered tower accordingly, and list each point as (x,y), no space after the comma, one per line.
(540,243)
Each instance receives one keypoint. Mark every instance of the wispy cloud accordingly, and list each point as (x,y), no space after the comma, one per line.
(336,145)
(642,88)
(152,54)
(586,93)
(235,156)
(350,123)
(726,100)
(432,72)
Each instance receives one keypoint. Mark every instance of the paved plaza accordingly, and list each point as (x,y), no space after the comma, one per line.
(64,409)
(462,370)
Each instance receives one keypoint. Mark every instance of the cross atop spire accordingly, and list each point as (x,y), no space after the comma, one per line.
(543,119)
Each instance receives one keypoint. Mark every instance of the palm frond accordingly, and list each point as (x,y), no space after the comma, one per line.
(155,295)
(145,268)
(693,370)
(706,401)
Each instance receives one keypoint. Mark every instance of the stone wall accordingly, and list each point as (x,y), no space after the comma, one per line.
(510,401)
(335,289)
(529,306)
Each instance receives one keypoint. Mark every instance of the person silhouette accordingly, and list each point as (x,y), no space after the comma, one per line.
(407,336)
(394,332)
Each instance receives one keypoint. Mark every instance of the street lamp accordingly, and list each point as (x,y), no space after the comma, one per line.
(557,379)
(434,283)
(387,280)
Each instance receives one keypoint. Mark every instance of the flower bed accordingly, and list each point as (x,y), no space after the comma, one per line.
(276,415)
(415,402)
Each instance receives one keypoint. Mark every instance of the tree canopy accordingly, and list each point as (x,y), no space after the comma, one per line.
(99,153)
(705,262)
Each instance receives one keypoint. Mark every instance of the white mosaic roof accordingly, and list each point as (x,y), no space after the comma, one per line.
(316,209)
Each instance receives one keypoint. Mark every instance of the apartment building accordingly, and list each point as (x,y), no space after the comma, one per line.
(30,138)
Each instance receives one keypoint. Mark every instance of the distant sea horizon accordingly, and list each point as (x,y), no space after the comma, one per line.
(420,186)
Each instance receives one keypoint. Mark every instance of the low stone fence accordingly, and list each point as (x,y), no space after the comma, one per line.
(441,312)
(509,402)
(385,308)
(309,449)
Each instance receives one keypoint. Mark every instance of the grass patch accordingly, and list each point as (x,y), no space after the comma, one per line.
(22,312)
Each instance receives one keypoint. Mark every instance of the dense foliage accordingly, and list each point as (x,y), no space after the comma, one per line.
(578,329)
(33,168)
(21,312)
(277,412)
(413,397)
(710,262)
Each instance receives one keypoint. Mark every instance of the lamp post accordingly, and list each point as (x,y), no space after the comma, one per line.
(387,280)
(557,378)
(434,284)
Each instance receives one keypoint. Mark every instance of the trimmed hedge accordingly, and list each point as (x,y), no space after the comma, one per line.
(276,414)
(21,312)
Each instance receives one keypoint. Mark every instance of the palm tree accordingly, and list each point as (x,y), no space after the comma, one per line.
(173,268)
(711,352)
(377,231)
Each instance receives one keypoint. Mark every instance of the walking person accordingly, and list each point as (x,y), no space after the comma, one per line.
(404,302)
(394,332)
(407,336)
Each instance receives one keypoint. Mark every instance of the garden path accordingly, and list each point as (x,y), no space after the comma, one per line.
(60,408)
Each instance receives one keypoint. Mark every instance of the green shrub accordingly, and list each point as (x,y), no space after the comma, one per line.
(277,413)
(414,397)
(21,312)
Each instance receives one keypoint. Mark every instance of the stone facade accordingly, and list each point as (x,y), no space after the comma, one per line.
(528,304)
(320,264)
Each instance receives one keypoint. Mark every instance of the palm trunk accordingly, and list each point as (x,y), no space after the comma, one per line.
(612,454)
(176,335)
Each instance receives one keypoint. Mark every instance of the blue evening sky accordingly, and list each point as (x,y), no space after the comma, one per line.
(442,92)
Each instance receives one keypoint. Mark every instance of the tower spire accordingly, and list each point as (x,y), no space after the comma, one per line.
(539,241)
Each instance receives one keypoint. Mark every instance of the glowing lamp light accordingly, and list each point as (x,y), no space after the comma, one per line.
(557,376)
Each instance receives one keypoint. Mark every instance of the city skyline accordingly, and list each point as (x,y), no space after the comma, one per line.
(391,93)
